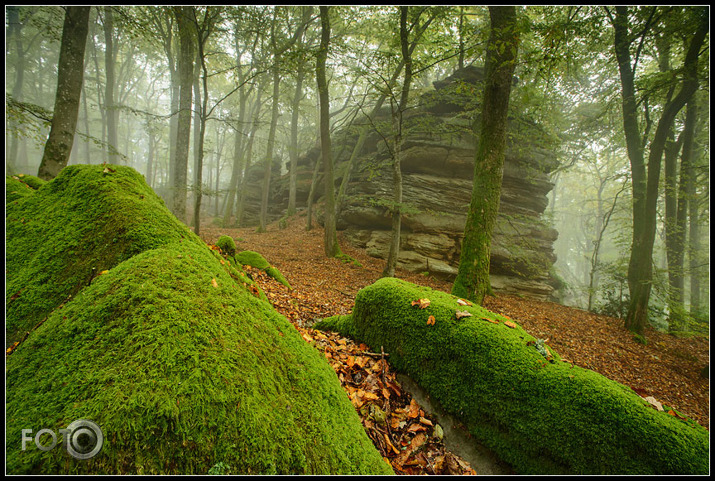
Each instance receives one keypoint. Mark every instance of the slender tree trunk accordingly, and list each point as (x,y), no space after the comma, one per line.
(397,125)
(676,222)
(330,238)
(243,191)
(186,60)
(14,32)
(110,56)
(70,74)
(472,280)
(293,149)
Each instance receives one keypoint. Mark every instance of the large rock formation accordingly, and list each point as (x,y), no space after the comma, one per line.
(437,170)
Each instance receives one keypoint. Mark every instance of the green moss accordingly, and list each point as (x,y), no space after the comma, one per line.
(85,221)
(539,416)
(227,245)
(182,367)
(254,259)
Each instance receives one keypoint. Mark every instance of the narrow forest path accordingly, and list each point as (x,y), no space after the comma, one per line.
(667,368)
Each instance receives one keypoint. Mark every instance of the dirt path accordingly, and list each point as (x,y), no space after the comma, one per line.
(667,368)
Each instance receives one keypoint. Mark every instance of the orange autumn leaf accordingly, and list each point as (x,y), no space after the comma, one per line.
(430,321)
(509,324)
(214,283)
(462,302)
(421,303)
(461,314)
(414,409)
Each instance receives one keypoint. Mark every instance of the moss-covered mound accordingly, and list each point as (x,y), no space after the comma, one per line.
(539,415)
(183,368)
(87,220)
(227,245)
(254,259)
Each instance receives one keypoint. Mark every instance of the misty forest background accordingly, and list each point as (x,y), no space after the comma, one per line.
(254,98)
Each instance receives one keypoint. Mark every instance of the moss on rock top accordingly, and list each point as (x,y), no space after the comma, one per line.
(541,417)
(254,259)
(182,367)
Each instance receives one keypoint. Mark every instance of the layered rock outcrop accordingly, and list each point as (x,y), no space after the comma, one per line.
(437,172)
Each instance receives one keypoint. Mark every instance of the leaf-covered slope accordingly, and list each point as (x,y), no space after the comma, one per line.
(180,365)
(539,416)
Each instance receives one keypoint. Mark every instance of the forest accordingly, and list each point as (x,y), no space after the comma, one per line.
(244,213)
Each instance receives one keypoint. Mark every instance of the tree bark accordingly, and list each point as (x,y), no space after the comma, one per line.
(110,56)
(185,67)
(645,184)
(70,74)
(14,32)
(472,280)
(397,120)
(330,238)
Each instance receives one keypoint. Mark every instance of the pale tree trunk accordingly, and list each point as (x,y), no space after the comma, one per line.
(330,238)
(472,280)
(186,60)
(397,125)
(69,89)
(14,32)
(110,56)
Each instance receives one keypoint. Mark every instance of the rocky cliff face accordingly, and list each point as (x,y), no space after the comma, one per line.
(437,169)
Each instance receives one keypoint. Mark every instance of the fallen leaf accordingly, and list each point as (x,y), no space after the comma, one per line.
(103,272)
(414,409)
(421,303)
(430,321)
(509,324)
(462,302)
(461,314)
(214,283)
(654,403)
(489,320)
(426,421)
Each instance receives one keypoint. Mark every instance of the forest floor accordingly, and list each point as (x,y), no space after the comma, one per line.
(667,368)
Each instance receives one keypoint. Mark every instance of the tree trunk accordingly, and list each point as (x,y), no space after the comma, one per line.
(676,223)
(14,32)
(472,280)
(110,56)
(69,89)
(330,238)
(645,184)
(397,120)
(293,148)
(186,61)
(248,156)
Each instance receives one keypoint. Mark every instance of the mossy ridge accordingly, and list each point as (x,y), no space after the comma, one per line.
(227,245)
(254,259)
(540,417)
(181,375)
(88,217)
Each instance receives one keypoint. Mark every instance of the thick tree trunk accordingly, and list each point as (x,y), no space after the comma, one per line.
(186,61)
(70,74)
(472,280)
(330,238)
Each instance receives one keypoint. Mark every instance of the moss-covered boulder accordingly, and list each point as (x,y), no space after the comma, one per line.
(227,245)
(516,396)
(184,368)
(254,259)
